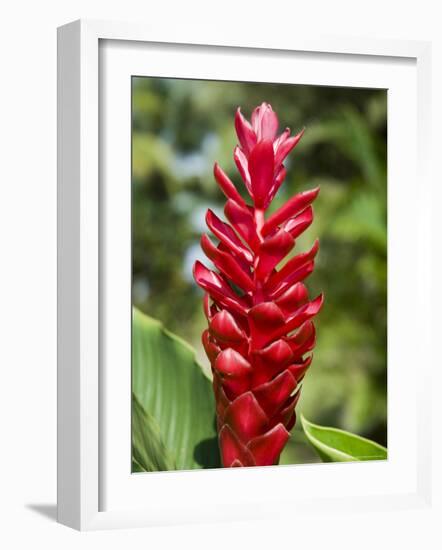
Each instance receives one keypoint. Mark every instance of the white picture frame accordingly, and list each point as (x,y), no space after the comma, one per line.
(93,490)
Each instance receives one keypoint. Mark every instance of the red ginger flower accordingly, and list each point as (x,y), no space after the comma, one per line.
(259,318)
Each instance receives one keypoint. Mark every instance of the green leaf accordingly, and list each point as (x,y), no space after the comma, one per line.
(136,468)
(149,453)
(334,445)
(170,386)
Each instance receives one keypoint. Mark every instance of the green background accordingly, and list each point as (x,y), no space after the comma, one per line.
(180,127)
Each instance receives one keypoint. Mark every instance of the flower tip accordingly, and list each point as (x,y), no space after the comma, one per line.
(314,307)
(319,302)
(298,136)
(209,215)
(315,191)
(204,240)
(236,150)
(239,118)
(217,171)
(197,270)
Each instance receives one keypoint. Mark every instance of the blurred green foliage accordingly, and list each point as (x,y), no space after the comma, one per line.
(180,127)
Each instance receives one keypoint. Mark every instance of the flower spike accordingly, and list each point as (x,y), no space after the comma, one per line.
(259,315)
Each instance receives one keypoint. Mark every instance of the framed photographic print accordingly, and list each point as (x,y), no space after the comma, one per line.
(235,227)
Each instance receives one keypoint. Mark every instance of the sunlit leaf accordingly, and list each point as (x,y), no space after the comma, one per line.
(149,453)
(170,386)
(334,445)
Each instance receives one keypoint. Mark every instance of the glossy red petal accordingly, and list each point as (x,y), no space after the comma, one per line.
(261,167)
(219,290)
(245,265)
(266,315)
(227,264)
(285,415)
(297,225)
(207,306)
(272,395)
(287,271)
(298,370)
(226,185)
(278,352)
(232,450)
(304,313)
(264,319)
(308,310)
(296,277)
(243,222)
(230,363)
(222,402)
(227,236)
(243,167)
(234,371)
(280,139)
(211,349)
(267,448)
(292,207)
(204,275)
(265,122)
(290,422)
(245,417)
(234,387)
(224,327)
(277,182)
(272,250)
(210,307)
(270,361)
(245,132)
(303,340)
(286,146)
(292,299)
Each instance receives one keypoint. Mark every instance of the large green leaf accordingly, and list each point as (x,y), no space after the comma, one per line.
(171,388)
(149,454)
(334,445)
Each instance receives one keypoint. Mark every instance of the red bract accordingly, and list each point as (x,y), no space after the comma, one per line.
(259,317)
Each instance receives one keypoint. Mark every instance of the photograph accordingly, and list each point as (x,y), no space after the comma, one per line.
(259,274)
